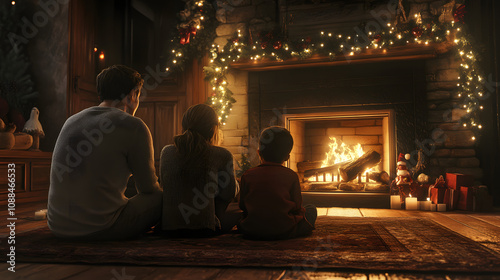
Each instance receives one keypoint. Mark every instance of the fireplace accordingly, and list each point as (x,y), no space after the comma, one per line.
(381,106)
(326,143)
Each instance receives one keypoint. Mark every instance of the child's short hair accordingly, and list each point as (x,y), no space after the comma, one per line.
(275,144)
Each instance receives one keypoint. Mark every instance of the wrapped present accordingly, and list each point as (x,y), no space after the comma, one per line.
(457,180)
(451,198)
(437,195)
(483,201)
(438,190)
(466,199)
(440,183)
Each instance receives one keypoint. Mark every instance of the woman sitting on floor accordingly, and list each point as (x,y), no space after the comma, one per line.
(198,178)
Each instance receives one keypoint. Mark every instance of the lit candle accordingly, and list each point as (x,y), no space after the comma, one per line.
(411,203)
(441,207)
(395,202)
(425,205)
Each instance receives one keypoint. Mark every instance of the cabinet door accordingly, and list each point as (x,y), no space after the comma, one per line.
(82,57)
(162,118)
(166,126)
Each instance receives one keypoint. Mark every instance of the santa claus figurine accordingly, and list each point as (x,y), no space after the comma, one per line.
(403,177)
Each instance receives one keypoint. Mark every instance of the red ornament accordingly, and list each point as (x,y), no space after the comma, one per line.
(277,45)
(417,32)
(459,14)
(263,45)
(186,34)
(377,38)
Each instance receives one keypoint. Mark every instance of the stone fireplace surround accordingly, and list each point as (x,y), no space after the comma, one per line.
(421,93)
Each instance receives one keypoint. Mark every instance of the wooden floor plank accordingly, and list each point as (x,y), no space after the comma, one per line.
(59,271)
(109,272)
(491,218)
(492,231)
(185,273)
(455,225)
(250,274)
(343,212)
(24,271)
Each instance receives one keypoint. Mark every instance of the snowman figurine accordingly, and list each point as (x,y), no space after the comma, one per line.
(403,177)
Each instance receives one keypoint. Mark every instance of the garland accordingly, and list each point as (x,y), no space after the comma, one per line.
(271,47)
(197,31)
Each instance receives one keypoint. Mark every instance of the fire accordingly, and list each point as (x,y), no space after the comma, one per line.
(341,153)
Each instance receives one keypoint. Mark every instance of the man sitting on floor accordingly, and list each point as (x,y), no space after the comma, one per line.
(96,152)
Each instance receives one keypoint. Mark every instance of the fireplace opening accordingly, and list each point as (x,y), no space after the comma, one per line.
(343,152)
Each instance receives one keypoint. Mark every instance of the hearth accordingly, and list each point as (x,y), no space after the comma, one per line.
(343,152)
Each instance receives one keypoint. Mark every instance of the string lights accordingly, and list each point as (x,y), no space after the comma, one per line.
(273,47)
(470,87)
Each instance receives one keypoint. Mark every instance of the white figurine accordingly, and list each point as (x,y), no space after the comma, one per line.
(34,128)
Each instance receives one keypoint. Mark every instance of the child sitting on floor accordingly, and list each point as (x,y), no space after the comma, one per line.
(270,193)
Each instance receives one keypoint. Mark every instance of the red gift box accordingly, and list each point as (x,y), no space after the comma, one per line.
(437,195)
(466,200)
(451,198)
(457,180)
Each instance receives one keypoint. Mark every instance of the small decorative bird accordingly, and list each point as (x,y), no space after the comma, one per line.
(34,128)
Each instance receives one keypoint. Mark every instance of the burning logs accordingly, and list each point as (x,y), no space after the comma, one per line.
(330,169)
(349,171)
(381,177)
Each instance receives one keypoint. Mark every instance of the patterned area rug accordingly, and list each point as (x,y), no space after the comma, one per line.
(415,244)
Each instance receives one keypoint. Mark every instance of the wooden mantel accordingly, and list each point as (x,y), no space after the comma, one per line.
(408,52)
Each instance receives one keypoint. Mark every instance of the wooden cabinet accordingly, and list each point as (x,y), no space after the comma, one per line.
(32,174)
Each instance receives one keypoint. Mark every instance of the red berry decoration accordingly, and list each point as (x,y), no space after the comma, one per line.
(417,32)
(277,45)
(459,14)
